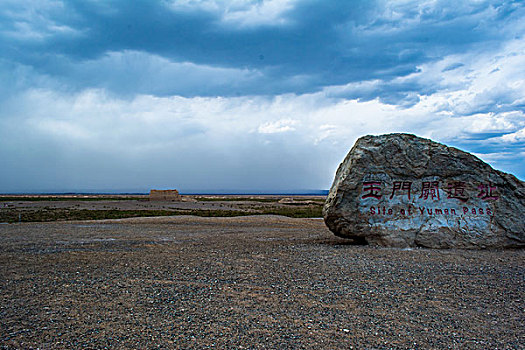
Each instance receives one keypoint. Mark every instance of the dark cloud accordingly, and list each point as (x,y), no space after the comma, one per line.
(322,43)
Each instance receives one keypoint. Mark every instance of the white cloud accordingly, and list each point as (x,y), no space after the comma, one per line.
(480,81)
(400,15)
(33,20)
(240,13)
(278,126)
(518,136)
(257,13)
(249,142)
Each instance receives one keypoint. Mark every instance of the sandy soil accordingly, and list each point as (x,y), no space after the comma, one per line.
(261,282)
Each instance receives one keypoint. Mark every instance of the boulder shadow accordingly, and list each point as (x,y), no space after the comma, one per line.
(336,241)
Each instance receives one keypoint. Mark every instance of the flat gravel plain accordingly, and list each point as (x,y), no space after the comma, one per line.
(255,282)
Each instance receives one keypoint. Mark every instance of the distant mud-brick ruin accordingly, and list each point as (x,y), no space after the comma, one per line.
(165,195)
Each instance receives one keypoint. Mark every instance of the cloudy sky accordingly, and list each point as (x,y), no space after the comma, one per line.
(248,95)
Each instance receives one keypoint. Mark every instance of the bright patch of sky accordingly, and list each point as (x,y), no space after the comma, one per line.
(248,95)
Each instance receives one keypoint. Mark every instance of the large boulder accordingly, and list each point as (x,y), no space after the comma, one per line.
(401,190)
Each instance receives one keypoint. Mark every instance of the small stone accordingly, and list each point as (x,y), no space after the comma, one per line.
(400,190)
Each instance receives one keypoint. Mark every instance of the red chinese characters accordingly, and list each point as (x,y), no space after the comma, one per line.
(401,186)
(486,191)
(430,189)
(456,190)
(373,188)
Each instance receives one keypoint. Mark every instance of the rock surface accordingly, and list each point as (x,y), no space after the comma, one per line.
(401,190)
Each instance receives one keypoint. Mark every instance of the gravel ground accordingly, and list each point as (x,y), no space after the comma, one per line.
(262,282)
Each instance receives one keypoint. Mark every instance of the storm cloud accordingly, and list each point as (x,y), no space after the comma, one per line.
(249,95)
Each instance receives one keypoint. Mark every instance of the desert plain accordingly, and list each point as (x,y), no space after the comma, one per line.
(233,272)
